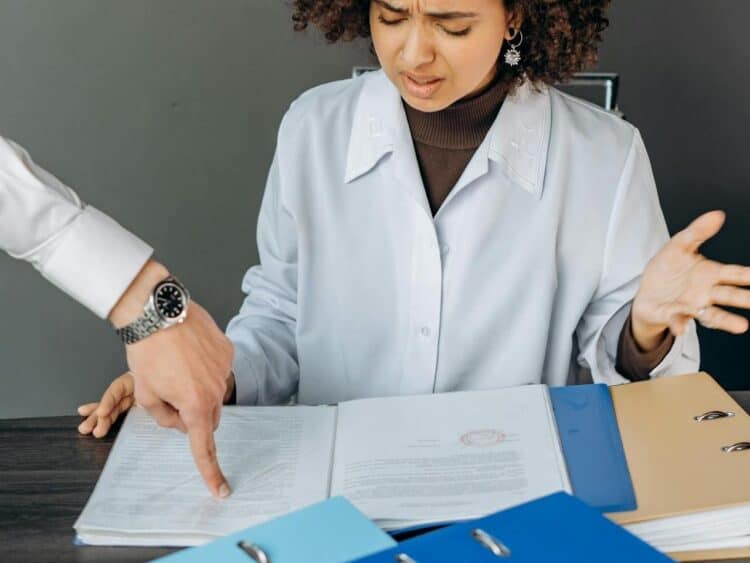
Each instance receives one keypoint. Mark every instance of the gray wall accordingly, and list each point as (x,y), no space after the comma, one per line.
(684,67)
(164,114)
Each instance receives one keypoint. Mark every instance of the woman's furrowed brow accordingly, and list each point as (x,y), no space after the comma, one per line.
(435,15)
(391,7)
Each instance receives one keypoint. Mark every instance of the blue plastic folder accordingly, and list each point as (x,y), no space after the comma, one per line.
(591,444)
(332,531)
(555,528)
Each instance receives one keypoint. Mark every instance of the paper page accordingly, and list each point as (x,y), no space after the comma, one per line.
(276,459)
(449,456)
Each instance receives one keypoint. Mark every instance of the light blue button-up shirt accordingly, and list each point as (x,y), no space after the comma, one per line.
(525,274)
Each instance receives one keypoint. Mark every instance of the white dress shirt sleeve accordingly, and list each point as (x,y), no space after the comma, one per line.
(76,247)
(265,366)
(636,232)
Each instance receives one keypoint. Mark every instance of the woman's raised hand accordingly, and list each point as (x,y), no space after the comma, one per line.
(679,284)
(117,399)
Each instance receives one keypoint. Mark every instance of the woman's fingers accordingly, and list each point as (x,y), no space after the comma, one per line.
(88,425)
(734,274)
(718,318)
(116,392)
(700,230)
(104,423)
(678,323)
(87,409)
(100,416)
(730,296)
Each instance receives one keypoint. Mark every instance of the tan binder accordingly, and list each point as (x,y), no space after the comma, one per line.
(680,464)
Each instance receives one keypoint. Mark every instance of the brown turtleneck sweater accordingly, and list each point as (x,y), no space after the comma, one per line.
(445,142)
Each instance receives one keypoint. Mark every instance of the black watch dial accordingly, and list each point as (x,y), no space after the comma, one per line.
(170,301)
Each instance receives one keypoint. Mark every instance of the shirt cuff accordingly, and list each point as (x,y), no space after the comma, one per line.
(94,260)
(632,361)
(683,357)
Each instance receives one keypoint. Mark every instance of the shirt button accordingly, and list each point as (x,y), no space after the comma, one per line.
(425,331)
(444,249)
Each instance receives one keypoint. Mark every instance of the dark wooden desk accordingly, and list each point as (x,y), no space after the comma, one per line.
(47,471)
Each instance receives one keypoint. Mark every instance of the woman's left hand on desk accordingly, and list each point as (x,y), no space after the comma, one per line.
(679,284)
(117,399)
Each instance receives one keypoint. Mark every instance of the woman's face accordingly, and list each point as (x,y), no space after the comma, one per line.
(438,51)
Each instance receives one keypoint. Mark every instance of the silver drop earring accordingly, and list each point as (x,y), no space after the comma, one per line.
(513,55)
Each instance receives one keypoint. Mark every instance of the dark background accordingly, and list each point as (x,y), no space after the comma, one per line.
(164,115)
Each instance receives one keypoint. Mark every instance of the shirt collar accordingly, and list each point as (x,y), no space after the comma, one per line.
(518,138)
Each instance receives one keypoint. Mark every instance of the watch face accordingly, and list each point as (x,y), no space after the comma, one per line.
(170,302)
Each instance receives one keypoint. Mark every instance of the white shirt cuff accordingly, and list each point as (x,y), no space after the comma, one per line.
(94,260)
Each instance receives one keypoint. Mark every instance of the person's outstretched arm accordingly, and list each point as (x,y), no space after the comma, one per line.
(179,372)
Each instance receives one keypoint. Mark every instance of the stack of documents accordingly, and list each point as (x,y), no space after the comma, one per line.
(402,461)
(692,486)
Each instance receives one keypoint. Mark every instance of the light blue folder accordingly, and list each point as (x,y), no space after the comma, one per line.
(332,531)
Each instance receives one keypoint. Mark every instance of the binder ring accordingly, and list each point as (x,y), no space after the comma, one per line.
(491,543)
(254,551)
(403,558)
(713,415)
(738,447)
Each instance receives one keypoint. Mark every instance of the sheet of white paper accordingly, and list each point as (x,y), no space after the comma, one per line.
(449,456)
(276,459)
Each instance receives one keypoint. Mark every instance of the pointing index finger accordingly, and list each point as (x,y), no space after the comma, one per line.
(203,446)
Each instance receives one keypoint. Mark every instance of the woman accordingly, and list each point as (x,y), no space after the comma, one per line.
(452,222)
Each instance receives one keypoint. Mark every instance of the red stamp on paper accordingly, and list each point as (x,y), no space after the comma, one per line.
(482,438)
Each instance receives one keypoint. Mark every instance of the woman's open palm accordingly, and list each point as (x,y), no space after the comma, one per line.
(679,284)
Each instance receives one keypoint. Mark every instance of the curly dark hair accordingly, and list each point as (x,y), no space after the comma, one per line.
(560,36)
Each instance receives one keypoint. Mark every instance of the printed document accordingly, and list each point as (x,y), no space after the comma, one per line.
(401,460)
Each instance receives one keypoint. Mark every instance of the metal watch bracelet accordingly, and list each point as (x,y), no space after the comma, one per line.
(144,326)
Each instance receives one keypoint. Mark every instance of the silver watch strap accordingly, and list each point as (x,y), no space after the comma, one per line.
(143,326)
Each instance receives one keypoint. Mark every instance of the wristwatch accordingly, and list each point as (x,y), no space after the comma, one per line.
(167,306)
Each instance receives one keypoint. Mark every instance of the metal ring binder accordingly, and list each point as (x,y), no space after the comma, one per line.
(403,558)
(738,447)
(491,543)
(713,415)
(254,551)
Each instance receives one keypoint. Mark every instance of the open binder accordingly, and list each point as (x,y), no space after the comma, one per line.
(687,444)
(555,528)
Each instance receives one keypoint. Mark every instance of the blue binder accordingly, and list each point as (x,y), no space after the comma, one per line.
(555,528)
(591,444)
(332,531)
